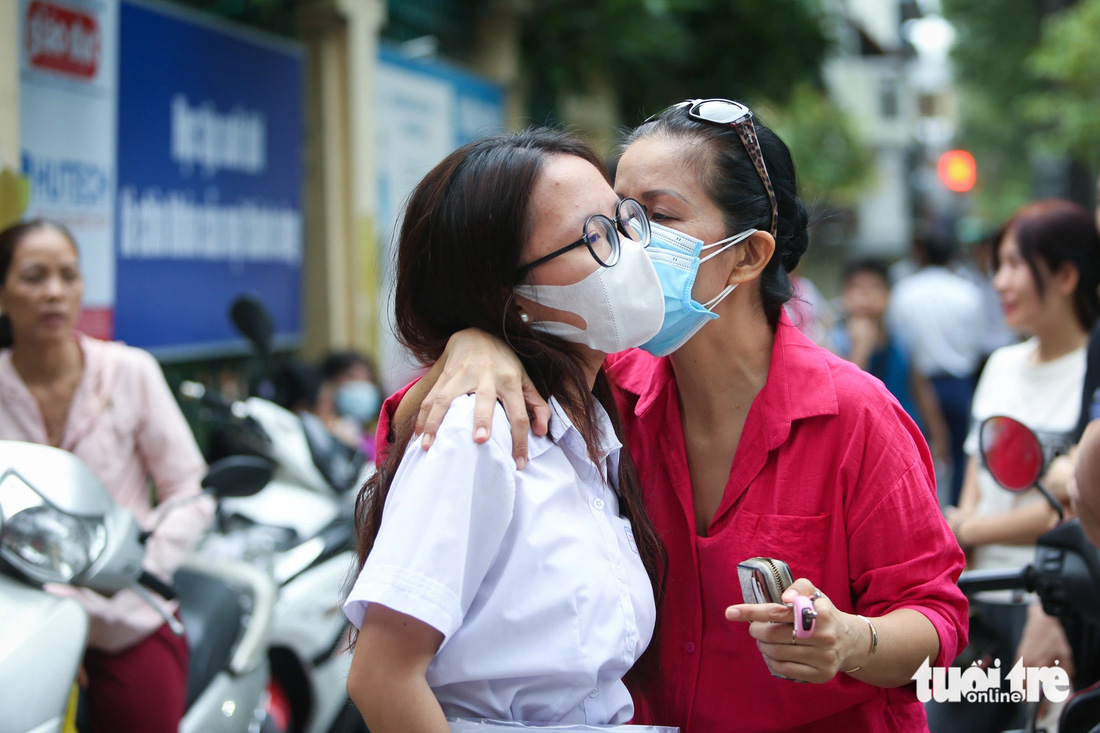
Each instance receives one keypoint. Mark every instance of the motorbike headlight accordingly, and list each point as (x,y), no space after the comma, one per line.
(42,541)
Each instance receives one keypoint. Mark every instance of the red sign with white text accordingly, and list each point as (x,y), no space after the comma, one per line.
(62,39)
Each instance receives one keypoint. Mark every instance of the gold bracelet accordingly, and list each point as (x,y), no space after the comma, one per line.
(874,636)
(874,645)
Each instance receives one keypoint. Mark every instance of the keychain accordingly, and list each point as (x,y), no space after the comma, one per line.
(805,617)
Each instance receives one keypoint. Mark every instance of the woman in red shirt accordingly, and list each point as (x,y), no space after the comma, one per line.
(752,441)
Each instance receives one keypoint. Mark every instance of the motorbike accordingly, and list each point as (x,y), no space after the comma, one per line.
(1065,573)
(58,524)
(300,528)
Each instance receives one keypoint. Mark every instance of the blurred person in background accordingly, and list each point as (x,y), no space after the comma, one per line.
(108,404)
(977,267)
(864,338)
(349,398)
(297,386)
(1090,397)
(1084,490)
(938,316)
(1047,264)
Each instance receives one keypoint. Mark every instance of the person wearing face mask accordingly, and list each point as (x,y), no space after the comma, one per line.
(349,398)
(485,592)
(109,405)
(751,441)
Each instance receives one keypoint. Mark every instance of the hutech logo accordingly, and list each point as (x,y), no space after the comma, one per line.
(62,39)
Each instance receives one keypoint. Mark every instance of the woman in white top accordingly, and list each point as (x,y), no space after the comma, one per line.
(515,596)
(1047,269)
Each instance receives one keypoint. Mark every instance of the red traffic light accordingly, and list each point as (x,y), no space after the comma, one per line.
(957,170)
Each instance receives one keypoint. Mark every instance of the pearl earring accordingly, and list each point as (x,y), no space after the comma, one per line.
(524,317)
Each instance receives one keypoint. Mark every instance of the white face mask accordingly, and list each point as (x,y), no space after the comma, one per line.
(622,305)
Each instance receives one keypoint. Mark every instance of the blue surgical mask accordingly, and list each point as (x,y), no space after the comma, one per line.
(358,400)
(675,256)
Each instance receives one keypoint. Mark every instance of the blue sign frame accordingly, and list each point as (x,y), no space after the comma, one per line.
(210,180)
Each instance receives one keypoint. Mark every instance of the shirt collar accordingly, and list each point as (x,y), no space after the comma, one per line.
(799,384)
(564,433)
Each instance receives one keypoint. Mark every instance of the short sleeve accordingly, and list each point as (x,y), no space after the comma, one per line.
(446,514)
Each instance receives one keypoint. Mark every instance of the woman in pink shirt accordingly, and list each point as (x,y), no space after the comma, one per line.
(109,405)
(752,441)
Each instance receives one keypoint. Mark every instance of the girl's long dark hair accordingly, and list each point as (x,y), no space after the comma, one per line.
(460,243)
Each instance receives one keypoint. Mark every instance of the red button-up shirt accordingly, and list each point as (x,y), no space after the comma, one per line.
(830,475)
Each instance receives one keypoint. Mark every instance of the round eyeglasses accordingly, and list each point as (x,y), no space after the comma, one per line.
(602,236)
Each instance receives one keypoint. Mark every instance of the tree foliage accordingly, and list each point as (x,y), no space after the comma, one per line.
(655,52)
(994,38)
(833,164)
(1029,86)
(1066,62)
(652,53)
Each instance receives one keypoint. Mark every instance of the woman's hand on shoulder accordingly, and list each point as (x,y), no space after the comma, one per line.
(837,636)
(482,364)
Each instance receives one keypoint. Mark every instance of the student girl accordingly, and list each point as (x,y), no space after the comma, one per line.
(486,592)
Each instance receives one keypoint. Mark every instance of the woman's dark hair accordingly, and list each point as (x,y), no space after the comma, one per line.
(297,385)
(1058,232)
(10,238)
(868,265)
(336,363)
(731,181)
(461,241)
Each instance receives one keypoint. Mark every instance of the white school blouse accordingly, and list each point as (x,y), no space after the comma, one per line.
(532,576)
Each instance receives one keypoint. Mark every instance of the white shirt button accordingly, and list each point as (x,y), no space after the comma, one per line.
(595,692)
(630,644)
(598,503)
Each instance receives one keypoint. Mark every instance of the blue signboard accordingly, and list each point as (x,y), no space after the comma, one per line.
(209,180)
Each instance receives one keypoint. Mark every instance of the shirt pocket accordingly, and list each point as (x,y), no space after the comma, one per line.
(798,540)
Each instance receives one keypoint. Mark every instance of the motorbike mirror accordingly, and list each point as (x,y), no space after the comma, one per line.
(1011,452)
(237,476)
(252,319)
(1014,457)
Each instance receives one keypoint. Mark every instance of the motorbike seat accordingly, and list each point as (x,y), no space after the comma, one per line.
(211,612)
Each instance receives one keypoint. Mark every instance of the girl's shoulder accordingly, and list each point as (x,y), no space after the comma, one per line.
(458,425)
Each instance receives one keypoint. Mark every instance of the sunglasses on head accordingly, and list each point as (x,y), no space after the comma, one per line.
(728,113)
